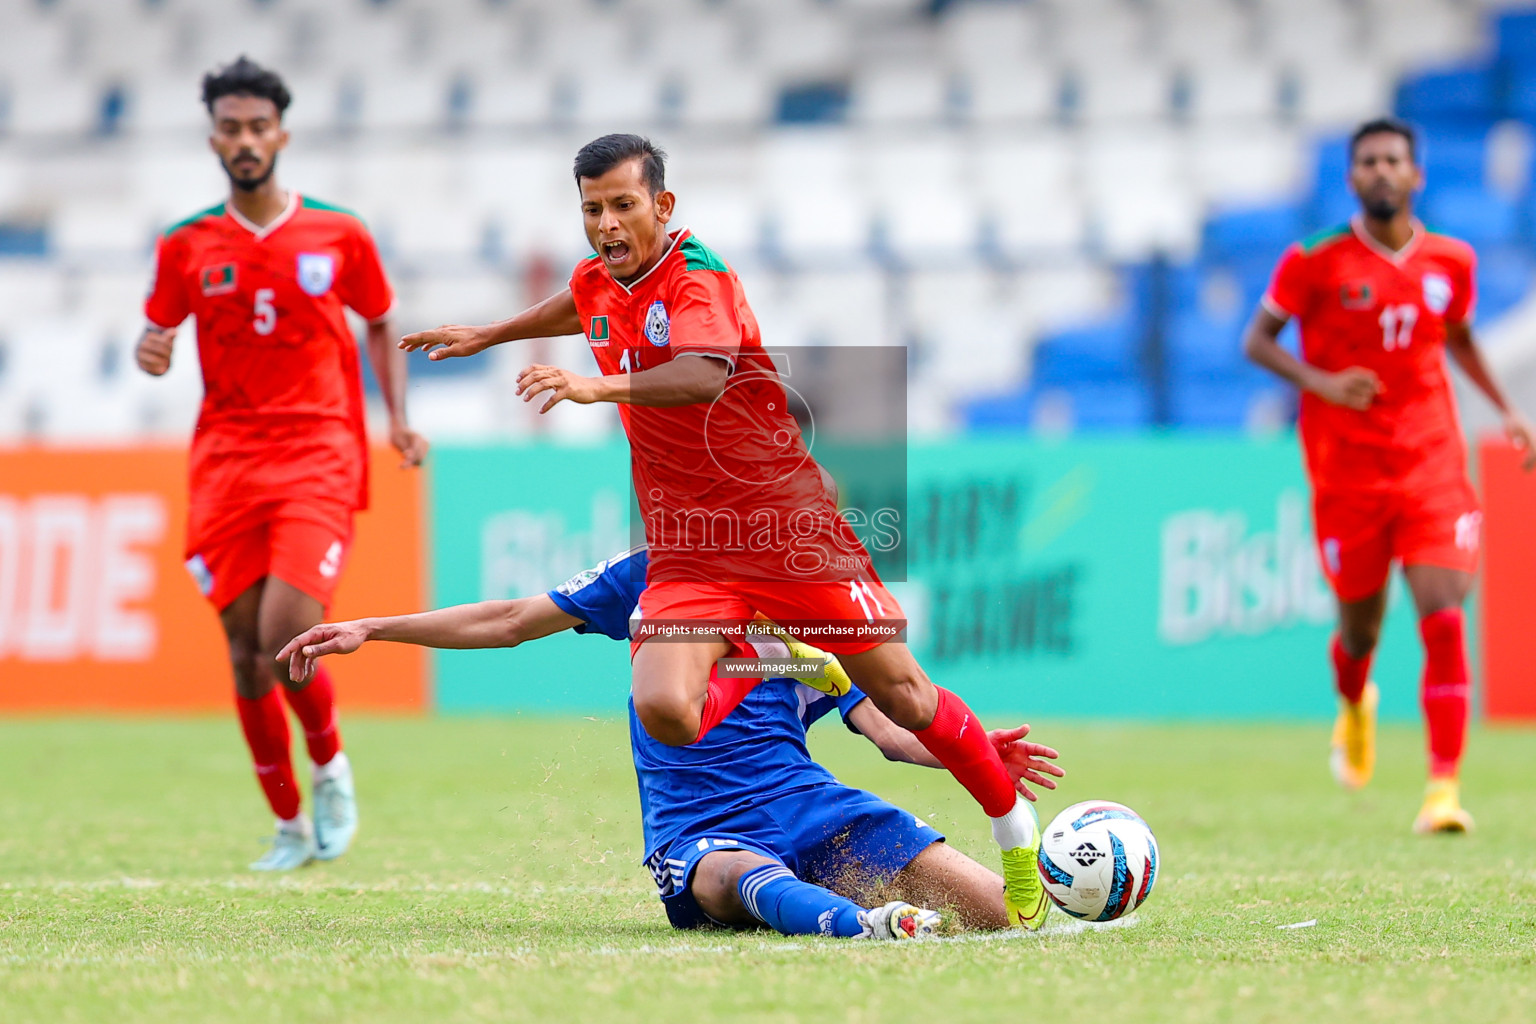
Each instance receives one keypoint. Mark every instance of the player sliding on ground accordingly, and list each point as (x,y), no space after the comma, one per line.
(1381,301)
(280,457)
(735,515)
(740,826)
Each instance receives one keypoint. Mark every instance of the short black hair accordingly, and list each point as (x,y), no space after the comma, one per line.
(245,78)
(600,156)
(1388,125)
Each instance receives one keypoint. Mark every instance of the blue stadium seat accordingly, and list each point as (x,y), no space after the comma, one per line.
(1505,274)
(1106,351)
(1214,402)
(1517,39)
(1520,94)
(1332,200)
(1197,343)
(1455,160)
(1261,231)
(1472,215)
(1450,96)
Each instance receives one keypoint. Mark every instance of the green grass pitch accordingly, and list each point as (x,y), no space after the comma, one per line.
(496,879)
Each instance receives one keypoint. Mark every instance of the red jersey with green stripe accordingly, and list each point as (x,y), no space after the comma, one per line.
(727,490)
(282,411)
(1360,304)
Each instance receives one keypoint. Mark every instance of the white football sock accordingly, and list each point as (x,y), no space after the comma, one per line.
(296,825)
(769,648)
(1016,828)
(335,768)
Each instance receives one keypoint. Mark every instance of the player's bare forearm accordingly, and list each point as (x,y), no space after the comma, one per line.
(896,743)
(1261,344)
(1468,355)
(686,380)
(474,626)
(389,368)
(554,317)
(1463,348)
(667,386)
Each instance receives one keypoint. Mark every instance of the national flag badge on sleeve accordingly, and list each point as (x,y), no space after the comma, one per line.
(218,280)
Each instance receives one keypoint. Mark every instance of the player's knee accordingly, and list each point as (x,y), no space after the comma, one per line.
(668,718)
(1359,641)
(252,680)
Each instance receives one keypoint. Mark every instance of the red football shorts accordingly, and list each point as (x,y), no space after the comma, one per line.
(1360,535)
(840,618)
(305,546)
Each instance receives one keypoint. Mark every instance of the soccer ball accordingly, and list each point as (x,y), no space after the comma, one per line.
(1098,860)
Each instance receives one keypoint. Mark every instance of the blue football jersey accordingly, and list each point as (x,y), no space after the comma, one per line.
(758,752)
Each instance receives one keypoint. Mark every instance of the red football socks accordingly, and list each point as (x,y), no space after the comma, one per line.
(958,739)
(265,725)
(1445,689)
(315,705)
(1349,674)
(725,692)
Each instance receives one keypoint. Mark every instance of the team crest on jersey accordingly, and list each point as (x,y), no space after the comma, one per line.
(316,272)
(658,327)
(1356,296)
(597,335)
(1437,293)
(219,280)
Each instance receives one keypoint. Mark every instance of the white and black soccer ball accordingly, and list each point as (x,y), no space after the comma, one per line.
(1098,860)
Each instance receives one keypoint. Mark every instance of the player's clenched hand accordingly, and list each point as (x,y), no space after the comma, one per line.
(411,445)
(153,353)
(448,341)
(1518,429)
(314,643)
(1355,388)
(561,385)
(1026,762)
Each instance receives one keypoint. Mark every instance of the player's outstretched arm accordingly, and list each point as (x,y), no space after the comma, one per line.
(461,627)
(552,318)
(1355,387)
(153,353)
(1463,348)
(1026,762)
(688,381)
(389,369)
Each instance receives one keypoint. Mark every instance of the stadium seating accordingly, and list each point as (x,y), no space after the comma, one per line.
(969,177)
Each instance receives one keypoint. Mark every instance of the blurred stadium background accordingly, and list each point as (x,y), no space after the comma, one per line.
(1065,209)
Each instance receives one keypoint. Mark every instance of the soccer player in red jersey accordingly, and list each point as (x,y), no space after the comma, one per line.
(1381,301)
(736,515)
(279,456)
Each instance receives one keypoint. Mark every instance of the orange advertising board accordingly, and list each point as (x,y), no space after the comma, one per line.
(1509,584)
(98,613)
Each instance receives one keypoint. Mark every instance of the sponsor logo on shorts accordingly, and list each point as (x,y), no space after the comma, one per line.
(1331,555)
(201,574)
(330,565)
(1437,293)
(1469,527)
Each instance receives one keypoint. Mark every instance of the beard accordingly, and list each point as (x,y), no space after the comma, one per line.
(251,184)
(1381,209)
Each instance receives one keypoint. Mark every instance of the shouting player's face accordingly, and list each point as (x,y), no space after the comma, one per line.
(626,225)
(1384,174)
(247,135)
